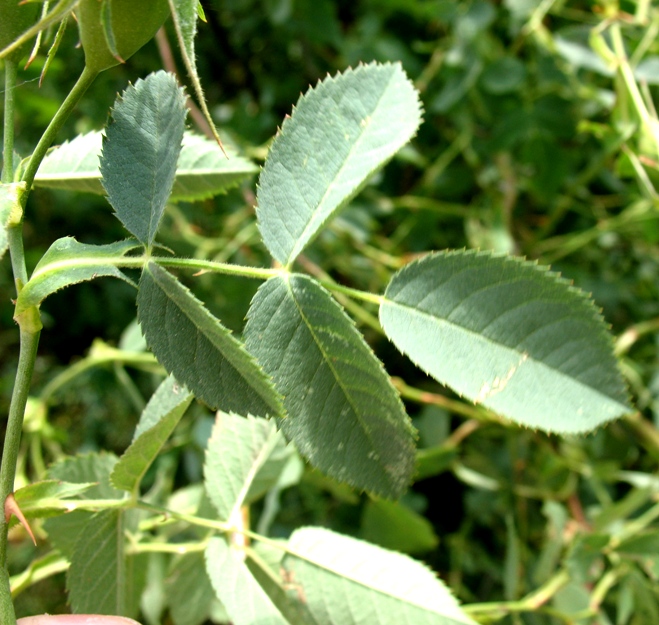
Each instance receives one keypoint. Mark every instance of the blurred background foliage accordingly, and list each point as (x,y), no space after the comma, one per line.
(533,143)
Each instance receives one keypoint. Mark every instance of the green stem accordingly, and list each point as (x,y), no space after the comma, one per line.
(82,84)
(8,131)
(27,356)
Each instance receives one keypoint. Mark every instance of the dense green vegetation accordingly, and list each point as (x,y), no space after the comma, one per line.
(539,139)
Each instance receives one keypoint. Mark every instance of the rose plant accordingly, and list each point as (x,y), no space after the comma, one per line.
(301,384)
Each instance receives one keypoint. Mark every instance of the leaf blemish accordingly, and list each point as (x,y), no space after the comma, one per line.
(488,389)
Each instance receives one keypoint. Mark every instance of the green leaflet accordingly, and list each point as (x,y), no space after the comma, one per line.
(244,458)
(339,133)
(103,578)
(345,581)
(68,262)
(508,334)
(192,344)
(140,152)
(202,170)
(245,601)
(393,525)
(160,417)
(63,530)
(45,498)
(189,591)
(344,415)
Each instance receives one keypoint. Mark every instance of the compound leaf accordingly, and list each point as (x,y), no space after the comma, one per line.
(238,451)
(344,415)
(340,132)
(140,152)
(508,334)
(68,262)
(160,417)
(345,581)
(201,353)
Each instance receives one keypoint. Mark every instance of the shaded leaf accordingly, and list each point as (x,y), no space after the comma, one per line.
(102,578)
(160,417)
(68,262)
(245,601)
(393,525)
(47,497)
(202,354)
(237,453)
(345,581)
(339,133)
(85,468)
(63,531)
(508,334)
(140,152)
(202,170)
(189,590)
(343,413)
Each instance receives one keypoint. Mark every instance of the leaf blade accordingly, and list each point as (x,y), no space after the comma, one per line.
(343,413)
(192,344)
(347,581)
(140,152)
(510,335)
(68,262)
(238,449)
(202,170)
(244,599)
(340,132)
(160,417)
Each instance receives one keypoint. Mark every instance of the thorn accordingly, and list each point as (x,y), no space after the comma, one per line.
(12,507)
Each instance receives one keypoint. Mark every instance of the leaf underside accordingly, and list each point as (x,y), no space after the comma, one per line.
(349,582)
(201,353)
(509,334)
(339,133)
(140,152)
(202,170)
(244,599)
(344,415)
(68,262)
(238,449)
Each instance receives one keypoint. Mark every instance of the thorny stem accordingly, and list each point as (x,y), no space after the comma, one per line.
(29,322)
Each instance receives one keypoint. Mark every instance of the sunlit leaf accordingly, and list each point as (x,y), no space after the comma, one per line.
(140,152)
(508,334)
(343,413)
(202,170)
(339,133)
(345,581)
(245,601)
(201,353)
